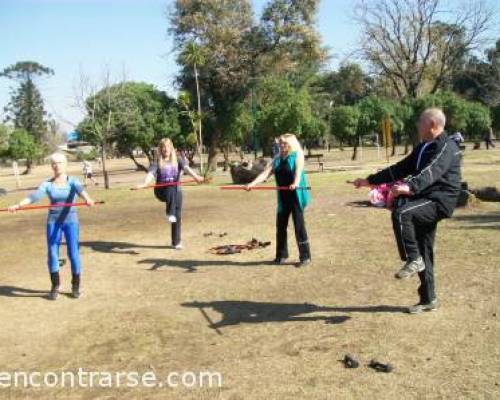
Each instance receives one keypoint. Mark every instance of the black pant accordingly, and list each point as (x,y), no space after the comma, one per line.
(290,205)
(415,223)
(174,207)
(489,143)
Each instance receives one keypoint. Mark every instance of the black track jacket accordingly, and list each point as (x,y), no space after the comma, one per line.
(432,171)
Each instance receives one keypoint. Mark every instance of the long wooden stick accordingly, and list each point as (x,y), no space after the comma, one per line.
(263,188)
(157,185)
(26,208)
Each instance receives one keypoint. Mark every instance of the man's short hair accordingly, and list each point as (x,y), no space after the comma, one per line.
(436,115)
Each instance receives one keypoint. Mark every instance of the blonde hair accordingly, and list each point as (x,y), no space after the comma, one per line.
(293,144)
(57,158)
(173,155)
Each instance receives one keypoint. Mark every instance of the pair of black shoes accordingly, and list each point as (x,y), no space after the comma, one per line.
(54,291)
(302,263)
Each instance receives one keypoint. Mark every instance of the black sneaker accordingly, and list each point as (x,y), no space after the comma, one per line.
(54,293)
(420,307)
(303,263)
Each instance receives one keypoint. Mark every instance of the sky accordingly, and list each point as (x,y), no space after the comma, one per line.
(127,37)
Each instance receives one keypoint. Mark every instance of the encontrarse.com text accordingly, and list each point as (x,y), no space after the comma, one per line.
(103,379)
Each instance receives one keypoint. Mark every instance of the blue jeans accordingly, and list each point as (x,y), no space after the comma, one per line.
(71,234)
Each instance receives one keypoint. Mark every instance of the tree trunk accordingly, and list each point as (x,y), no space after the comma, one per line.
(104,170)
(407,147)
(200,137)
(213,150)
(29,167)
(226,157)
(355,150)
(138,165)
(395,140)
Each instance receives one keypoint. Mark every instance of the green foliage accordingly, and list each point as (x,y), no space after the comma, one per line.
(347,86)
(130,115)
(238,123)
(478,120)
(4,139)
(25,71)
(25,108)
(495,118)
(23,146)
(372,111)
(479,79)
(344,122)
(86,156)
(282,108)
(291,42)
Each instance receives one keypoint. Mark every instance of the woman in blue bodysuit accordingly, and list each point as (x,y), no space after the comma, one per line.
(169,169)
(60,189)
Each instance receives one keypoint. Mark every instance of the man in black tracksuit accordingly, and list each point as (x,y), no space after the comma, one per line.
(432,178)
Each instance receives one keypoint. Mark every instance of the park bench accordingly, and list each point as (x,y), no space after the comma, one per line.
(319,160)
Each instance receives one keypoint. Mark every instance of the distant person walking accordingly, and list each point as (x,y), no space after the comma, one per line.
(488,139)
(87,173)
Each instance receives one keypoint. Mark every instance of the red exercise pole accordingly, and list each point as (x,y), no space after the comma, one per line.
(165,184)
(263,188)
(51,206)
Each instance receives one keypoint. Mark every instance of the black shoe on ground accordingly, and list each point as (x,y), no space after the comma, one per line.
(54,293)
(75,286)
(279,260)
(75,292)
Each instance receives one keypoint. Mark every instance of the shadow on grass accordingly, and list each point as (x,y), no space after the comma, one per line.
(360,204)
(118,247)
(192,265)
(479,221)
(14,291)
(237,312)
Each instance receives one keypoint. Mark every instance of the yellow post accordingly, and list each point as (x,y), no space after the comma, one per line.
(387,135)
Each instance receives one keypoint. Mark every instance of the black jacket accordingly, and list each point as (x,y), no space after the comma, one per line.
(437,176)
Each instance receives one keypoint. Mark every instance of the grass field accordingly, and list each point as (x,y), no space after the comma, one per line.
(272,332)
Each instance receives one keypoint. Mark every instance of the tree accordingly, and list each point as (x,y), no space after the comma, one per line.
(282,108)
(96,127)
(222,30)
(4,139)
(495,118)
(312,130)
(135,116)
(479,79)
(189,120)
(291,41)
(22,145)
(26,108)
(373,110)
(344,123)
(347,86)
(406,42)
(193,55)
(478,121)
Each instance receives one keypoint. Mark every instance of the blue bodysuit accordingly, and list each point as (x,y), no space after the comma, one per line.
(61,219)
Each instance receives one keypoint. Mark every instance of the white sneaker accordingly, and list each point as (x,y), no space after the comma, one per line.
(178,247)
(172,219)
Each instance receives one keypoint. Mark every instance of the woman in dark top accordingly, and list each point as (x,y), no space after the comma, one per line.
(169,169)
(288,169)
